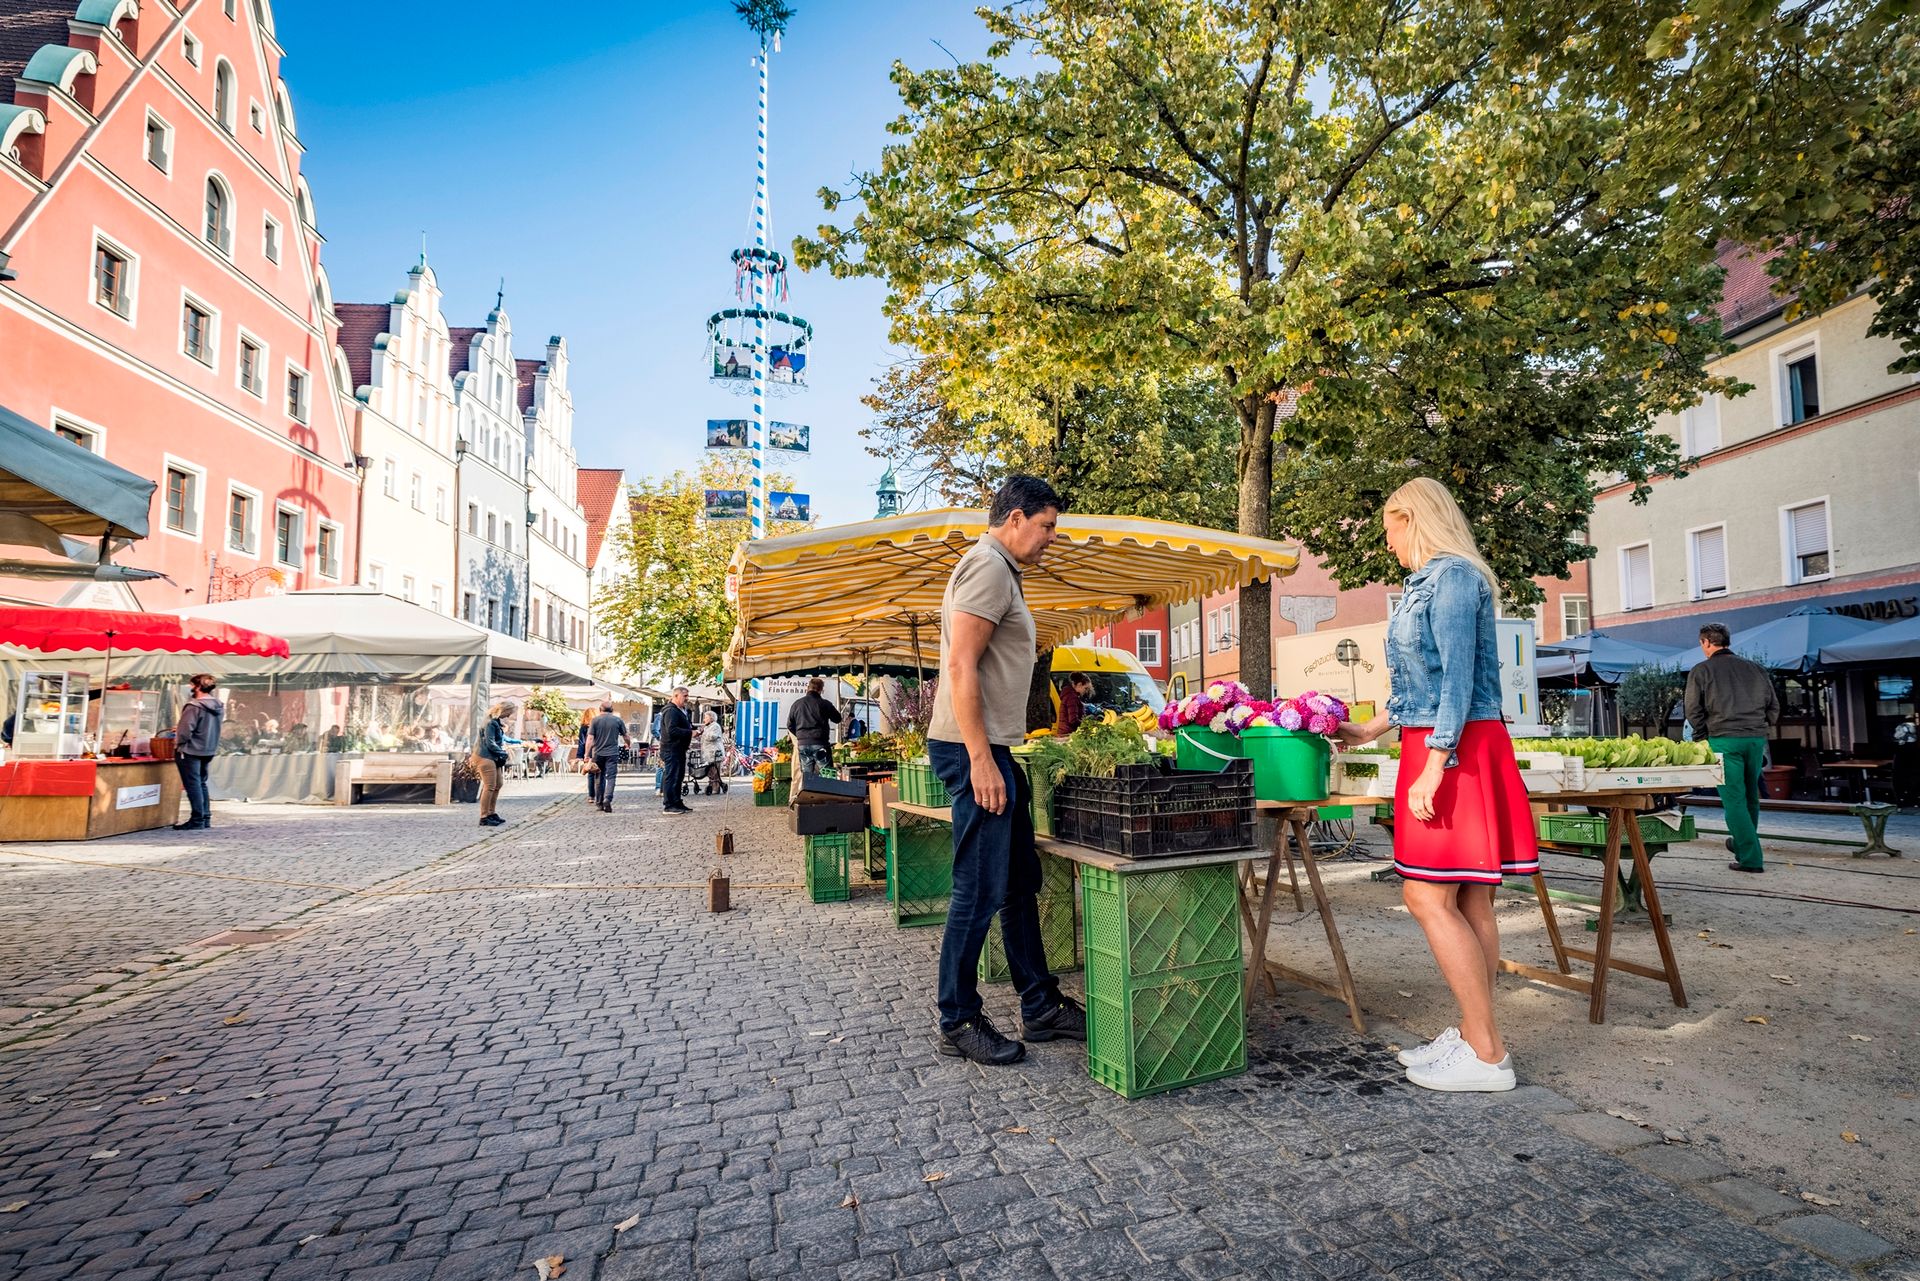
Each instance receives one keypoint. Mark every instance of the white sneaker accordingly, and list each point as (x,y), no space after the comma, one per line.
(1460,1070)
(1421,1055)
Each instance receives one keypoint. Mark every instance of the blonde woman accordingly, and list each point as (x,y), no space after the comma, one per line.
(1461,817)
(490,762)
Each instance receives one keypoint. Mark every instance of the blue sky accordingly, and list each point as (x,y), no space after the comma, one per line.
(601,159)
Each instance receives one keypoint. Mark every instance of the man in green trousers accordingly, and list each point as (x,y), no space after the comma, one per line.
(1731,705)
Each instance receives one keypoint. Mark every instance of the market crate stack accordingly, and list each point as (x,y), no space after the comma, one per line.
(826,860)
(919,869)
(876,854)
(775,795)
(1142,813)
(1164,977)
(919,785)
(1059,925)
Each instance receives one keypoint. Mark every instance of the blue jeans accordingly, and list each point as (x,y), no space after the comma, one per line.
(193,782)
(816,758)
(603,780)
(995,869)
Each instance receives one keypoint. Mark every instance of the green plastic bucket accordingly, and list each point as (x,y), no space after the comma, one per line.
(1288,764)
(1197,747)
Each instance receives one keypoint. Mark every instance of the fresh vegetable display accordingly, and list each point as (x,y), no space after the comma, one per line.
(1097,747)
(1228,707)
(1632,752)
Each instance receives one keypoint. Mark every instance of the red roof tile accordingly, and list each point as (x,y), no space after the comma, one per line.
(459,346)
(1747,296)
(597,489)
(527,370)
(360,324)
(24,27)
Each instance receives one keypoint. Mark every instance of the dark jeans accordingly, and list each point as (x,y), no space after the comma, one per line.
(673,777)
(603,779)
(816,758)
(193,782)
(995,869)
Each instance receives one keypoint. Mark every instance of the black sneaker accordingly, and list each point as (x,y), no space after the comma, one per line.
(1066,1022)
(1742,867)
(978,1041)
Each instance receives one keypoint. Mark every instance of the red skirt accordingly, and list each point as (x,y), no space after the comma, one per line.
(1482,826)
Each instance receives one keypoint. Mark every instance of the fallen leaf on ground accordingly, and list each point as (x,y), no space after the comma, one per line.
(820,1033)
(551,1266)
(258,1094)
(1018,1129)
(1407,994)
(155,1098)
(1814,1198)
(186,1089)
(1673,1136)
(13,1207)
(851,1202)
(1704,933)
(36,1098)
(1788,979)
(1848,1136)
(197,1196)
(624,1224)
(231,1019)
(836,1040)
(935,1177)
(1628,1117)
(1757,1018)
(103,1154)
(309,1238)
(1913,931)
(1661,1062)
(1855,1036)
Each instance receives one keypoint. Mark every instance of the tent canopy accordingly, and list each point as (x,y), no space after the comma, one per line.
(69,490)
(844,595)
(1599,656)
(1793,643)
(64,630)
(1887,642)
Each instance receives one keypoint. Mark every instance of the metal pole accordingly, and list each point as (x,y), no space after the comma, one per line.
(758,527)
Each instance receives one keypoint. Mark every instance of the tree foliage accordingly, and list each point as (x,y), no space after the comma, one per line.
(671,615)
(1404,222)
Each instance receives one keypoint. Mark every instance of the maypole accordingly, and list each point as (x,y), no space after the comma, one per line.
(761,21)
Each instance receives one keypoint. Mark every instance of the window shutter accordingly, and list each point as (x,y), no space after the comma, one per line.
(1809,529)
(1636,587)
(1710,560)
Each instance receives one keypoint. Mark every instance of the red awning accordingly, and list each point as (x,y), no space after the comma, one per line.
(59,630)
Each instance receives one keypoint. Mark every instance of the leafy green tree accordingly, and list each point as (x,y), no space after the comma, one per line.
(671,614)
(1400,222)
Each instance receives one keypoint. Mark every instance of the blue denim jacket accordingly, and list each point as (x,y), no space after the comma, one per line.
(1442,656)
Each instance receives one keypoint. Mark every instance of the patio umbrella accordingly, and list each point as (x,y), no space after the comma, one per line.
(1603,657)
(55,631)
(1792,643)
(1887,641)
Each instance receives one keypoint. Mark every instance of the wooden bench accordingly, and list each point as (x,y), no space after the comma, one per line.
(1873,817)
(387,769)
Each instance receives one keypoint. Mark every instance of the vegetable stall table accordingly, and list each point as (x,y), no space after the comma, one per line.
(1290,834)
(84,800)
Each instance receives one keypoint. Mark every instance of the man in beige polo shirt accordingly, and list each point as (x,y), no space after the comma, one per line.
(979,712)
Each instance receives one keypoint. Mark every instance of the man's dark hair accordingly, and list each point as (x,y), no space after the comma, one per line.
(815,685)
(1028,495)
(606,707)
(1715,634)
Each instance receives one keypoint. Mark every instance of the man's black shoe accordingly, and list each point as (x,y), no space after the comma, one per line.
(678,809)
(1730,848)
(1065,1022)
(1742,867)
(192,825)
(979,1041)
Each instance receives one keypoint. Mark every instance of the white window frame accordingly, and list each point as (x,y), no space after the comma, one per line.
(190,49)
(96,434)
(1789,558)
(199,473)
(252,550)
(409,589)
(437,597)
(155,118)
(257,116)
(1565,631)
(339,543)
(1786,354)
(228,235)
(390,478)
(242,336)
(1159,652)
(231,121)
(1652,593)
(212,361)
(132,314)
(416,492)
(1709,408)
(300,532)
(1694,589)
(440,512)
(305,414)
(473,519)
(469,606)
(271,238)
(377,576)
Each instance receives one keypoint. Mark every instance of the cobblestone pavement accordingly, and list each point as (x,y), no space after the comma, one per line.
(526,1050)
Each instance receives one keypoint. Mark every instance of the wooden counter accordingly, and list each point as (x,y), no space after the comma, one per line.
(86,800)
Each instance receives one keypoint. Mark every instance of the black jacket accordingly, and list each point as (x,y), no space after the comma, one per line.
(1729,697)
(811,721)
(676,728)
(493,742)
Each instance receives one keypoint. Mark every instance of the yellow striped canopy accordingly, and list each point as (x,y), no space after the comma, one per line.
(842,596)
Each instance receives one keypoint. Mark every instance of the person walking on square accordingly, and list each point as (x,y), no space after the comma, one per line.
(490,762)
(676,735)
(713,751)
(1462,821)
(605,737)
(979,712)
(811,720)
(1731,706)
(196,738)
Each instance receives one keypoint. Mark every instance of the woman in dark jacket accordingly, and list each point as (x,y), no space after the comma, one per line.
(490,762)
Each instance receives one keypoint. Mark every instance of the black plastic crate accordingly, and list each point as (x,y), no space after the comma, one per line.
(1146,812)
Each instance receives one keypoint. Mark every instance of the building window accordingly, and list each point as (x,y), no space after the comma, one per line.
(159,144)
(270,241)
(1393,602)
(112,279)
(218,228)
(467,606)
(493,531)
(473,519)
(1707,554)
(1636,577)
(439,599)
(1146,646)
(326,550)
(1700,428)
(257,117)
(297,394)
(223,94)
(286,536)
(252,375)
(406,587)
(243,517)
(183,500)
(440,503)
(196,332)
(413,492)
(1803,388)
(493,613)
(229,6)
(387,478)
(1809,550)
(191,49)
(75,434)
(1576,617)
(377,576)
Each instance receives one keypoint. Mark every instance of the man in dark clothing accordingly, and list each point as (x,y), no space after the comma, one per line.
(676,735)
(811,721)
(605,737)
(195,739)
(1731,706)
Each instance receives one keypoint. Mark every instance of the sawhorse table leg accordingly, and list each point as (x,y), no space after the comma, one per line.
(1292,826)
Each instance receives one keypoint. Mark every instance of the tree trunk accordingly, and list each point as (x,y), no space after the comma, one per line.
(1256,518)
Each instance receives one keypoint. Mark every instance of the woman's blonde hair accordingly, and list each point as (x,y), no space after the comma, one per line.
(500,710)
(1436,526)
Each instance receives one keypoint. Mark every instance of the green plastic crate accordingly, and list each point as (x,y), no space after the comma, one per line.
(775,795)
(919,785)
(876,854)
(1591,829)
(783,769)
(826,859)
(1164,978)
(1059,925)
(919,869)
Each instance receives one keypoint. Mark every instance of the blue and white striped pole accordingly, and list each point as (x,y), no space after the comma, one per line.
(758,509)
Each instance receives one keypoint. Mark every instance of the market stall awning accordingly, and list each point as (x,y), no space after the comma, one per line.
(69,490)
(1793,643)
(1885,643)
(834,597)
(53,631)
(1599,656)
